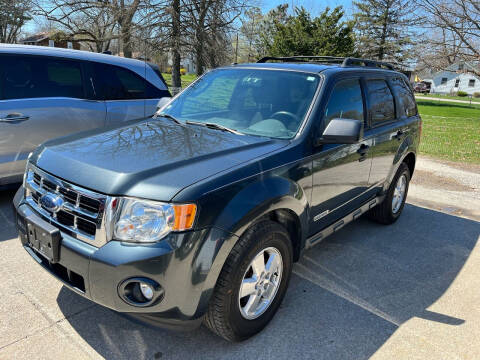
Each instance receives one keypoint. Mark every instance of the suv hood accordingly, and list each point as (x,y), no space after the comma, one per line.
(153,159)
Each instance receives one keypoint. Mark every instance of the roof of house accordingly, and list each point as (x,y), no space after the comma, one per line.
(36,38)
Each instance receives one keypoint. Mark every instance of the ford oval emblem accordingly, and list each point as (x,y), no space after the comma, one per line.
(51,202)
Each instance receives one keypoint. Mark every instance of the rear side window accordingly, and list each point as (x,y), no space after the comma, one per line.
(407,101)
(116,83)
(380,98)
(64,78)
(345,101)
(39,77)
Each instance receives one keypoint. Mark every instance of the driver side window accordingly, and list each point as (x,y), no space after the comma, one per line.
(345,101)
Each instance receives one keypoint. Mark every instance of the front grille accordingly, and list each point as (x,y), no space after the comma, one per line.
(82,211)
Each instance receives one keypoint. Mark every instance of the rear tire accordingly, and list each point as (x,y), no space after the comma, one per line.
(228,314)
(390,209)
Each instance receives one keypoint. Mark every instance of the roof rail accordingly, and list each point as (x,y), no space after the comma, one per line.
(343,61)
(303,58)
(350,61)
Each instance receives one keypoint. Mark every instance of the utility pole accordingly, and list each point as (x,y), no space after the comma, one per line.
(236,50)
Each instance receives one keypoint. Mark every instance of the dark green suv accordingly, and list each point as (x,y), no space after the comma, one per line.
(198,214)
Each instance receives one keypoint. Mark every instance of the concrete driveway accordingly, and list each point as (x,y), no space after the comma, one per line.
(407,291)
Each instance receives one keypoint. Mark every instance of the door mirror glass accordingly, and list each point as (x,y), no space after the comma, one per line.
(342,131)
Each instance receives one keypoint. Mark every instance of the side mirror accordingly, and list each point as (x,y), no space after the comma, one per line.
(162,102)
(342,131)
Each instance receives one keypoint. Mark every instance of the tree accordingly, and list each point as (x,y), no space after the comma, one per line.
(384,29)
(453,32)
(71,14)
(437,50)
(13,16)
(326,35)
(175,36)
(207,22)
(250,30)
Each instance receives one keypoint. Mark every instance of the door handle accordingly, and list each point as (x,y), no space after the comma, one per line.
(14,117)
(400,133)
(362,150)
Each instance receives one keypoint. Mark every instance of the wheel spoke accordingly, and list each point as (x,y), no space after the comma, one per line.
(258,264)
(247,287)
(252,304)
(272,263)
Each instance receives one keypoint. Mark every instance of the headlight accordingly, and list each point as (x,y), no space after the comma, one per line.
(148,221)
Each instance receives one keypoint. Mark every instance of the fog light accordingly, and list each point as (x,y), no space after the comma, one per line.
(140,291)
(147,291)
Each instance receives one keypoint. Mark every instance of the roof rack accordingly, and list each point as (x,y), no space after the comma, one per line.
(343,61)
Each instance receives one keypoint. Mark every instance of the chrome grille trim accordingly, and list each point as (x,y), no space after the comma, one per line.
(38,183)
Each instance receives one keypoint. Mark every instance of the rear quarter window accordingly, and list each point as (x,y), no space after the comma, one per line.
(405,96)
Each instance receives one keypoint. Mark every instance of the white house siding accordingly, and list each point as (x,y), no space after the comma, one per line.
(449,87)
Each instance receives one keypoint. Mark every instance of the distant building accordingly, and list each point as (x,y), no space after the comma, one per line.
(457,77)
(53,39)
(188,62)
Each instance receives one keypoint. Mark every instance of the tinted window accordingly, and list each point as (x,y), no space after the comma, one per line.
(345,101)
(116,83)
(444,81)
(407,101)
(471,82)
(63,79)
(34,77)
(457,82)
(18,81)
(381,103)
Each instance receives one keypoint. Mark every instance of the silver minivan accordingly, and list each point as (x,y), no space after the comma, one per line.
(50,92)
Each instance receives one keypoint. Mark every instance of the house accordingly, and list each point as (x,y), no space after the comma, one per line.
(188,62)
(457,77)
(53,39)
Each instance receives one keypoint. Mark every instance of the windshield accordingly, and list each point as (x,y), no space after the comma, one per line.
(269,103)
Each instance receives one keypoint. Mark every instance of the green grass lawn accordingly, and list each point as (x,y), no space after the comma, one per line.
(450,131)
(186,79)
(441,96)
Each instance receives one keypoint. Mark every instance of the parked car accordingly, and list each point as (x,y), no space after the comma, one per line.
(422,87)
(198,213)
(49,92)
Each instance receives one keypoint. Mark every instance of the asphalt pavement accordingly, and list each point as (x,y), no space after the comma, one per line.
(405,291)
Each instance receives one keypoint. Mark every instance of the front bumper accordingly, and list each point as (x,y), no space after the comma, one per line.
(180,263)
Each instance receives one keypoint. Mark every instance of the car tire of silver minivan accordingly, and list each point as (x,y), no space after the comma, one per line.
(247,296)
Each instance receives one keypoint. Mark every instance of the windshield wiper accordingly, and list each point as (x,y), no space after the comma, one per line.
(214,126)
(170,117)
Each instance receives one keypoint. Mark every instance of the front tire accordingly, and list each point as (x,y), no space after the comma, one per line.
(390,209)
(252,283)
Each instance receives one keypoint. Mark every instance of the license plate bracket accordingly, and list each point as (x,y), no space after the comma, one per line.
(44,238)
